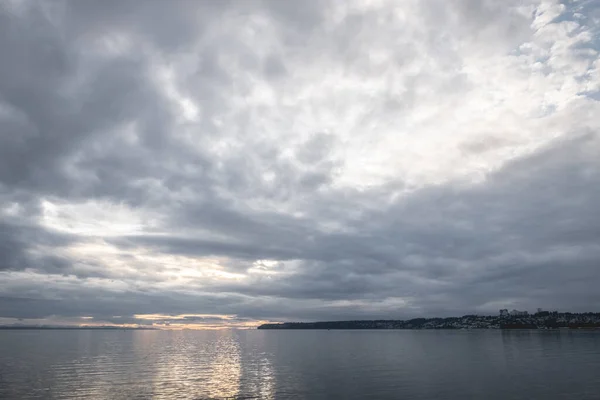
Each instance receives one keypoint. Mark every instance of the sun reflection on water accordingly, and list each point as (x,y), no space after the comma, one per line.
(160,364)
(206,364)
(223,380)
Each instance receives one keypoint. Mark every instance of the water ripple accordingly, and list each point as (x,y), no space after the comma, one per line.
(203,365)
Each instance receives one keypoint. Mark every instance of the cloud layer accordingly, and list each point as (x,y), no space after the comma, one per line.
(222,163)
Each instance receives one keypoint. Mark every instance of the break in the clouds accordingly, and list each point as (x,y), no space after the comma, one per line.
(219,163)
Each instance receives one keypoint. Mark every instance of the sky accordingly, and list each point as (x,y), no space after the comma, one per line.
(220,164)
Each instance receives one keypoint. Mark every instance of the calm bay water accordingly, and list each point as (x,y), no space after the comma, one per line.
(300,364)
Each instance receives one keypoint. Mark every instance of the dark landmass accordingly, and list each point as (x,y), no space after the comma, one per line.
(47,327)
(541,320)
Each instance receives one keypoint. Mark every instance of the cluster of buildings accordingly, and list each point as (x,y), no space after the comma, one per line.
(515,313)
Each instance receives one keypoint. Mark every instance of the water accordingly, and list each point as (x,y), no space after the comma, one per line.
(300,364)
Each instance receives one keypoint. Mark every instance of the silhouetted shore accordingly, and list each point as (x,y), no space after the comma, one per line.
(543,320)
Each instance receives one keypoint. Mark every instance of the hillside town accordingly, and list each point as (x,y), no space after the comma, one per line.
(514,319)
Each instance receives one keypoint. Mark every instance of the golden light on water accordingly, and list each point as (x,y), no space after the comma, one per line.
(215,359)
(169,364)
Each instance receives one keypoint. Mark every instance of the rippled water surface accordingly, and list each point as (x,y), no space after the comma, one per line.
(299,364)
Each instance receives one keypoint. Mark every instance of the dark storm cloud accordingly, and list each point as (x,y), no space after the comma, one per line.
(16,241)
(87,301)
(65,107)
(44,123)
(91,112)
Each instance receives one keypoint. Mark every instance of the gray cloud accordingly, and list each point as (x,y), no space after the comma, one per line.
(274,162)
(19,239)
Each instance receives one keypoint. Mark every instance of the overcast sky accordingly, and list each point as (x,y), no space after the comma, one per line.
(223,163)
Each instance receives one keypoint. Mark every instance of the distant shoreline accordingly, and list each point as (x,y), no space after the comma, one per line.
(71,328)
(540,320)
